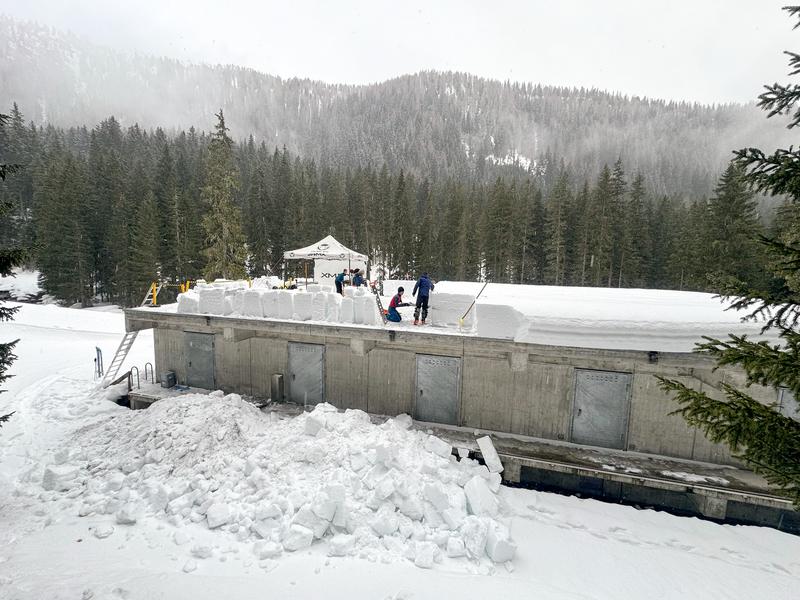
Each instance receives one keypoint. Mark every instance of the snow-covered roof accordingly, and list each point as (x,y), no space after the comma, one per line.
(328,247)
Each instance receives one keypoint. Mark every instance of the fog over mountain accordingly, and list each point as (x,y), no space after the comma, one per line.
(435,124)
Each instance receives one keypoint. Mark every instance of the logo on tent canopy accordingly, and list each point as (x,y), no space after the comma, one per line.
(323,247)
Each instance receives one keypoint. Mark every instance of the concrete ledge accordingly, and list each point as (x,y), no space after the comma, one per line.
(361,347)
(232,334)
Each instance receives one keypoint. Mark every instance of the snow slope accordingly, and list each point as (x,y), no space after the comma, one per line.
(567,548)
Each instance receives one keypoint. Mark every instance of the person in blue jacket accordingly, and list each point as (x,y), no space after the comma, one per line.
(358,278)
(339,280)
(397,300)
(424,286)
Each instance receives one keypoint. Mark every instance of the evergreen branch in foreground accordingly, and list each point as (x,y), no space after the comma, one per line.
(5,418)
(776,173)
(765,364)
(758,434)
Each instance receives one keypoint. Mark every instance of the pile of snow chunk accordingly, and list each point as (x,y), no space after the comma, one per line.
(316,303)
(322,477)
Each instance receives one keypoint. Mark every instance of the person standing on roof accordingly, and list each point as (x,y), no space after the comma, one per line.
(424,286)
(358,278)
(397,300)
(339,281)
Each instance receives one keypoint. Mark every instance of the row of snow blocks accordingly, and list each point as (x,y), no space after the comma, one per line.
(447,310)
(498,321)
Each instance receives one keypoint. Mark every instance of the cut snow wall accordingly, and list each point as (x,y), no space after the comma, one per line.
(447,309)
(499,321)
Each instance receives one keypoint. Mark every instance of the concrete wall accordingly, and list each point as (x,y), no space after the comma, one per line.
(505,387)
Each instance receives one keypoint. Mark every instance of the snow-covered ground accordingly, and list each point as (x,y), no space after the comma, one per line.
(113,465)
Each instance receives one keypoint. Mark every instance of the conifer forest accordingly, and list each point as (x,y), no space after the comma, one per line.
(108,209)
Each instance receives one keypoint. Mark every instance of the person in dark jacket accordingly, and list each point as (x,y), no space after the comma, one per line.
(358,278)
(424,286)
(339,281)
(397,300)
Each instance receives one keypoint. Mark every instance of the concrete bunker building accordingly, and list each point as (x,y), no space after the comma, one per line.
(558,397)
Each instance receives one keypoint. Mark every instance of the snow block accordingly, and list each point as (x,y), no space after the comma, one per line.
(297,538)
(333,305)
(438,446)
(480,499)
(425,554)
(318,306)
(324,506)
(313,288)
(218,515)
(453,517)
(370,311)
(455,547)
(302,306)
(385,521)
(346,314)
(129,513)
(285,304)
(267,549)
(251,304)
(499,321)
(358,310)
(490,456)
(313,424)
(447,310)
(188,302)
(305,517)
(436,496)
(341,544)
(499,546)
(265,528)
(236,300)
(269,304)
(349,292)
(101,532)
(474,531)
(59,478)
(403,421)
(211,300)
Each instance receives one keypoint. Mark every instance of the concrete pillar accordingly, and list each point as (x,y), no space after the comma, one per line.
(511,469)
(361,347)
(712,507)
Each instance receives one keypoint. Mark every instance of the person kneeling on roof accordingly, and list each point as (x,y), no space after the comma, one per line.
(397,300)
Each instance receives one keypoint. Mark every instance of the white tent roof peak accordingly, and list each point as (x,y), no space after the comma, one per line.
(327,248)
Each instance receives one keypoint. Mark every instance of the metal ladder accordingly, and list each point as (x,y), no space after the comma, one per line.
(127,341)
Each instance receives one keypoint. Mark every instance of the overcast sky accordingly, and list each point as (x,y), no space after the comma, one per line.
(701,50)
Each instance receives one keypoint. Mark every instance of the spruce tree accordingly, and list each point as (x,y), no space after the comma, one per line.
(10,257)
(766,439)
(556,229)
(145,238)
(225,241)
(733,230)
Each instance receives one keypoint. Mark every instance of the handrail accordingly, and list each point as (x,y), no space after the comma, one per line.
(138,386)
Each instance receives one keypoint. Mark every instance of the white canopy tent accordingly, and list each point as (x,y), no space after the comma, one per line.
(330,257)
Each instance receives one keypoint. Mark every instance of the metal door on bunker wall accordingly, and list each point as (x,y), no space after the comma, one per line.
(199,360)
(306,373)
(437,391)
(601,407)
